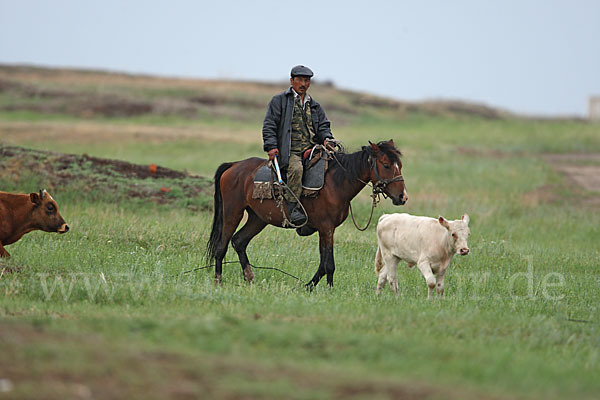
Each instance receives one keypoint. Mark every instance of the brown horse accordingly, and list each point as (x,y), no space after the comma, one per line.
(346,176)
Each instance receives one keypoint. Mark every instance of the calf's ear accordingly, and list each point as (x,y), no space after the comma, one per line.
(35,198)
(443,222)
(466,218)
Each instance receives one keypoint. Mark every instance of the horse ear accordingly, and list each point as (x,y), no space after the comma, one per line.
(374,146)
(392,142)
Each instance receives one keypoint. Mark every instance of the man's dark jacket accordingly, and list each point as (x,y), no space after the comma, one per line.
(277,126)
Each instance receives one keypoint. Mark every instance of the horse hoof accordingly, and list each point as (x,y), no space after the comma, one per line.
(248,274)
(218,280)
(309,286)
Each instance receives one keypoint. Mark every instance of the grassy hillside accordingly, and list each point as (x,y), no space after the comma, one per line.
(106,311)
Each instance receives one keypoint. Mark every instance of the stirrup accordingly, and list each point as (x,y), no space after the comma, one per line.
(297,217)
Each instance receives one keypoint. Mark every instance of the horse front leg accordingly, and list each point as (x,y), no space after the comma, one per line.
(326,247)
(3,252)
(326,264)
(315,279)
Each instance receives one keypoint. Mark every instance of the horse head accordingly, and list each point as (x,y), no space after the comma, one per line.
(386,171)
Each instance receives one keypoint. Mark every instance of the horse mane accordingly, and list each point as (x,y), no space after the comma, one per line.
(351,165)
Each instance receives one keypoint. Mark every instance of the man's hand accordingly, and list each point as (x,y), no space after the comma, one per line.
(272,153)
(330,144)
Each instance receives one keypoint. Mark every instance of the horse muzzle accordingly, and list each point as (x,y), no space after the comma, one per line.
(400,200)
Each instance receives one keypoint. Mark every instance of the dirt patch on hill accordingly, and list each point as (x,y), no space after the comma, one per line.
(581,168)
(581,171)
(57,162)
(586,176)
(99,177)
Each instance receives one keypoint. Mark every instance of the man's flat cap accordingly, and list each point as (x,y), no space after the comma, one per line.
(301,70)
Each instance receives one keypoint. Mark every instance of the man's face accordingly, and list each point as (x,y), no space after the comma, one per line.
(300,84)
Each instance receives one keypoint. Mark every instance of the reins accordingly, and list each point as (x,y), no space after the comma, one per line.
(377,188)
(373,205)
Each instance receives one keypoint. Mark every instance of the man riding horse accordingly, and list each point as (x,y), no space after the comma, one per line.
(294,122)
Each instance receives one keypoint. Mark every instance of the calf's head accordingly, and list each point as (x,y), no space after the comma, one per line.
(45,213)
(459,233)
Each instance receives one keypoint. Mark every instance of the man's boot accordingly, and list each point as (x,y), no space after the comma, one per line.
(296,215)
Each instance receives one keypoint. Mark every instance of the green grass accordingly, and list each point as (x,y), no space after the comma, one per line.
(485,336)
(109,302)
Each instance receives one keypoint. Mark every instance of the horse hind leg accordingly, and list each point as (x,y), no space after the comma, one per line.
(240,241)
(230,223)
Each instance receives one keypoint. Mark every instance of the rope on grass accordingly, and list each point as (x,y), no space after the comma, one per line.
(253,266)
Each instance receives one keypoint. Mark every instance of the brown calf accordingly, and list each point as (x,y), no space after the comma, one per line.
(23,213)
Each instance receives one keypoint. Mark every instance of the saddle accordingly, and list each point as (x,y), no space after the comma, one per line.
(315,162)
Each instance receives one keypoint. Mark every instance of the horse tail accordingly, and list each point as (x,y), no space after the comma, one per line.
(217,225)
(378,260)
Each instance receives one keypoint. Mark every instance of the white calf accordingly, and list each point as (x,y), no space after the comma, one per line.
(428,243)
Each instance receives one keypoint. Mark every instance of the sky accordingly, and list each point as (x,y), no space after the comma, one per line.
(534,57)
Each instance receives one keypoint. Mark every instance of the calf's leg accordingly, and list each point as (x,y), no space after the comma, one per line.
(391,263)
(439,286)
(381,279)
(425,269)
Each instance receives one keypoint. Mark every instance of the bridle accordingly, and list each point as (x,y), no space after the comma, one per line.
(378,187)
(381,184)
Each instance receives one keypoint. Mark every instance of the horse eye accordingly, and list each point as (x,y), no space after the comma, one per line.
(50,207)
(386,166)
(454,235)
